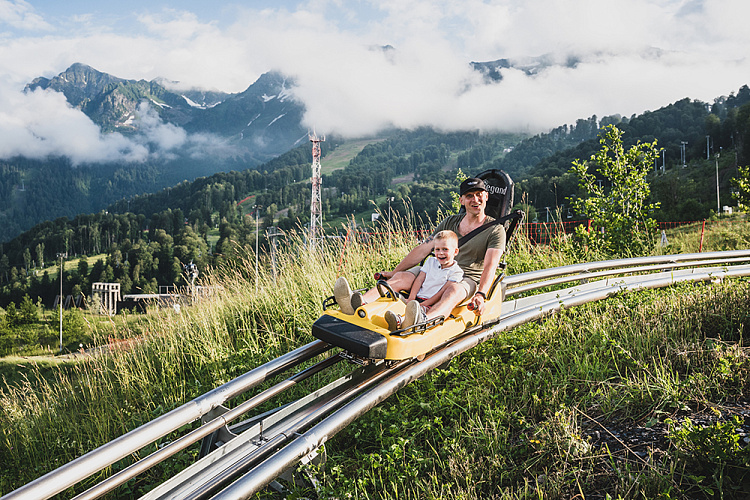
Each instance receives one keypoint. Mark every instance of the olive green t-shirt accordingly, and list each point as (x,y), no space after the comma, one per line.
(471,254)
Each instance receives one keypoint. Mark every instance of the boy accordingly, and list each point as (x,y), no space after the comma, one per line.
(433,277)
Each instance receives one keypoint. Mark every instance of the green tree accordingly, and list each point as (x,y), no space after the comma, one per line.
(74,328)
(39,249)
(12,316)
(4,268)
(26,260)
(28,312)
(742,184)
(619,204)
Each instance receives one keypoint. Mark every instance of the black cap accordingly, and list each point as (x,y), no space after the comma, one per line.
(471,184)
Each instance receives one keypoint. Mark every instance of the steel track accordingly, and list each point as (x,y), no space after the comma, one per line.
(243,458)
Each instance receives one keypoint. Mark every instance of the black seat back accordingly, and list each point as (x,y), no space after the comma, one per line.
(500,189)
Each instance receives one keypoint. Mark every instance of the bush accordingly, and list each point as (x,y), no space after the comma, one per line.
(6,341)
(75,329)
(28,311)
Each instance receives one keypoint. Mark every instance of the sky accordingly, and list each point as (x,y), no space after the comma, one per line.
(634,55)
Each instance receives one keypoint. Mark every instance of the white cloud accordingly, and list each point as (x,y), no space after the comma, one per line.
(633,56)
(41,123)
(20,15)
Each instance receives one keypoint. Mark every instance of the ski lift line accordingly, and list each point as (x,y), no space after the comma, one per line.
(331,411)
(611,272)
(92,462)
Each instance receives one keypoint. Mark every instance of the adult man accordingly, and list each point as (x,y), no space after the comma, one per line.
(479,258)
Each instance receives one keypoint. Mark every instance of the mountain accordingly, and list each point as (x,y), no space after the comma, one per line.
(491,70)
(222,132)
(264,117)
(263,121)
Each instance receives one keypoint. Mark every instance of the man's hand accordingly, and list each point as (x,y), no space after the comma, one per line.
(383,275)
(476,304)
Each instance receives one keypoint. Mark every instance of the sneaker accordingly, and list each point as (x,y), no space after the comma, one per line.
(415,314)
(356,301)
(343,294)
(394,320)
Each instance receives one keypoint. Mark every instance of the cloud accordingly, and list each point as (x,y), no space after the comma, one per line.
(632,56)
(20,15)
(42,124)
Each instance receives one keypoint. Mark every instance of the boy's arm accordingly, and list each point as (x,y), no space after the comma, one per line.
(457,277)
(435,298)
(417,285)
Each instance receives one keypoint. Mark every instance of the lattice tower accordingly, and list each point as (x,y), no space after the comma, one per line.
(316,215)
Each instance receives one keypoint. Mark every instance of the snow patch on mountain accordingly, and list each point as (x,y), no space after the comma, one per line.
(275,119)
(192,103)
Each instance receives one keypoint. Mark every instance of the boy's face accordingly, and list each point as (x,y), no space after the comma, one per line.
(445,251)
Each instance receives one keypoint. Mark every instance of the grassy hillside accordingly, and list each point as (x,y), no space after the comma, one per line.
(341,156)
(526,415)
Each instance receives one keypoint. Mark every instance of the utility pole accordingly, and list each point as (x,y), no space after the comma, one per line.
(682,153)
(61,256)
(390,199)
(718,201)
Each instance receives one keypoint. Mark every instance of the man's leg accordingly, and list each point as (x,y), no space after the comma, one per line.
(400,281)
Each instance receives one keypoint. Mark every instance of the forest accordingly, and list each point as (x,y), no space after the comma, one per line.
(144,240)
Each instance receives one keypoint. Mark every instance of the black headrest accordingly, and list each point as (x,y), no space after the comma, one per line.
(499,185)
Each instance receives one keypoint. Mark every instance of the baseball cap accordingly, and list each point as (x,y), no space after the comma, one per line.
(471,184)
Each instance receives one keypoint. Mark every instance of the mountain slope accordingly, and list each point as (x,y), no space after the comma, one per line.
(263,117)
(112,102)
(219,132)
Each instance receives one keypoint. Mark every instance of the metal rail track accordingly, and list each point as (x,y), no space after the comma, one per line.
(241,459)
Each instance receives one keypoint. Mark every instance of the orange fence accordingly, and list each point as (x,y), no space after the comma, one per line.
(542,233)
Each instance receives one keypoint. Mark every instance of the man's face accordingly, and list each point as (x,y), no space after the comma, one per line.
(474,201)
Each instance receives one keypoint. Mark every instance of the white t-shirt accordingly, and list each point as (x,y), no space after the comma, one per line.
(436,277)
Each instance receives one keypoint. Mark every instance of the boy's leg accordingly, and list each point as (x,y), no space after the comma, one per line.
(454,294)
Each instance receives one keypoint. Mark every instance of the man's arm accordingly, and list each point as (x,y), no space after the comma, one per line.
(416,256)
(491,261)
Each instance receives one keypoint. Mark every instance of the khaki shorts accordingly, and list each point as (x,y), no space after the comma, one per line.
(467,283)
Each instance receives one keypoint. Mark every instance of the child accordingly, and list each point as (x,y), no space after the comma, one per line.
(437,270)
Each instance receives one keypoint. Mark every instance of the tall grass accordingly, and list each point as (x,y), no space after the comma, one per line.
(507,419)
(503,420)
(169,358)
